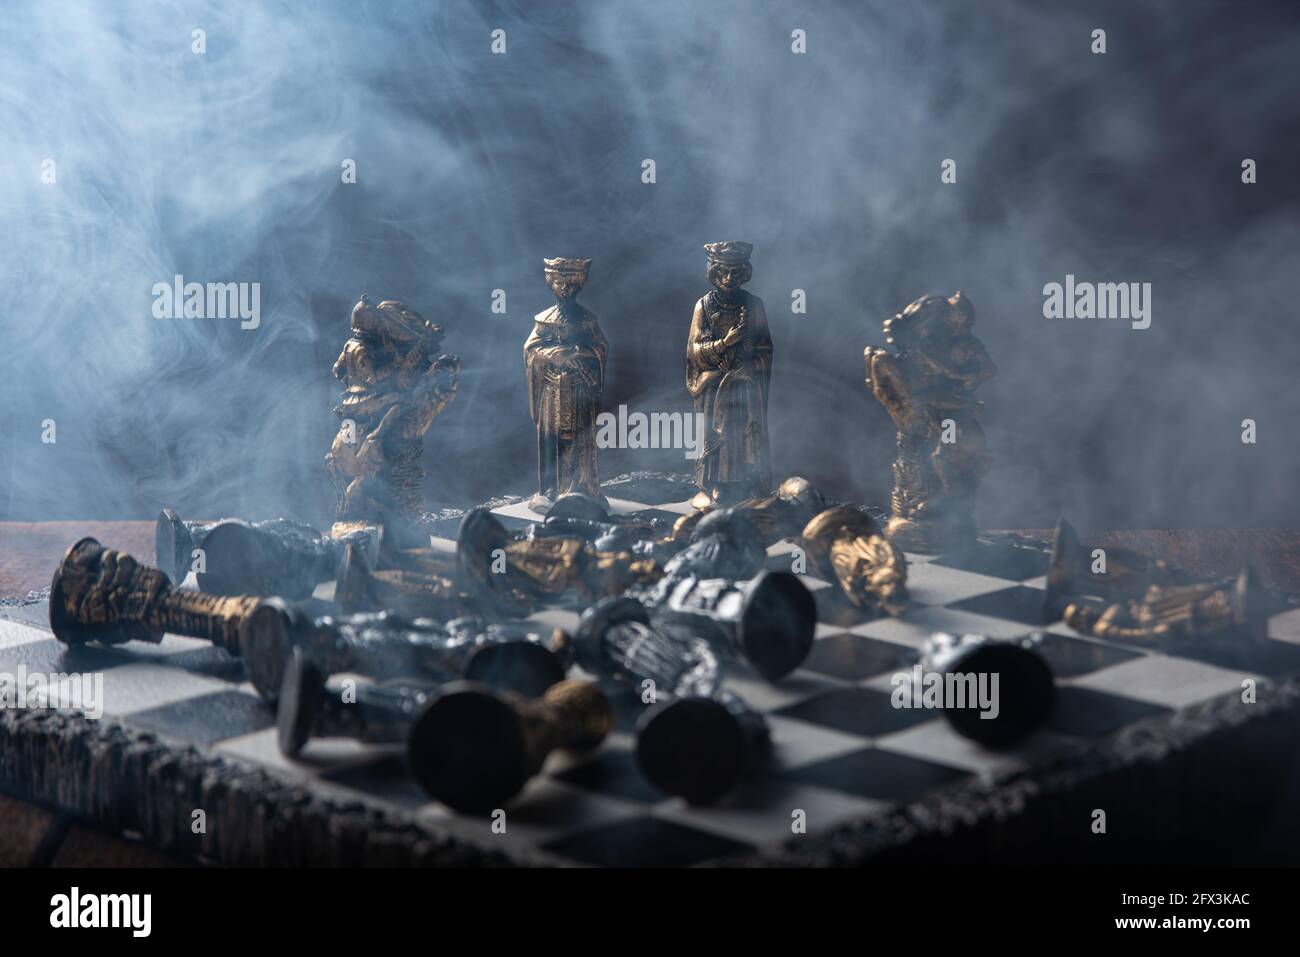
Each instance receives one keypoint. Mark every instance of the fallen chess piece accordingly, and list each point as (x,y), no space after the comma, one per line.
(432,591)
(697,740)
(1123,574)
(1204,610)
(783,514)
(993,691)
(768,623)
(385,646)
(843,545)
(276,557)
(474,750)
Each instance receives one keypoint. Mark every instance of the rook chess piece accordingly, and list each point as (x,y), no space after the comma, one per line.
(1006,686)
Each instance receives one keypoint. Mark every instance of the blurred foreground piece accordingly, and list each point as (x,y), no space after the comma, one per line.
(843,545)
(474,750)
(396,381)
(276,557)
(927,385)
(695,740)
(564,361)
(993,691)
(728,370)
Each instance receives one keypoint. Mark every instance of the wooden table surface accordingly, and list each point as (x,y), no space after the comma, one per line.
(29,552)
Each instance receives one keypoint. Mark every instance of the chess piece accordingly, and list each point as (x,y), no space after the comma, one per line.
(474,750)
(1121,574)
(722,543)
(278,557)
(1016,680)
(106,596)
(728,369)
(1203,610)
(768,622)
(696,740)
(564,359)
(431,589)
(386,646)
(396,381)
(174,542)
(784,513)
(927,385)
(843,546)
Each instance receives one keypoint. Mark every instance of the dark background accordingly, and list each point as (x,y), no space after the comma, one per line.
(472,167)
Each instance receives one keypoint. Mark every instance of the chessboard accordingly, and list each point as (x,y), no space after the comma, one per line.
(843,755)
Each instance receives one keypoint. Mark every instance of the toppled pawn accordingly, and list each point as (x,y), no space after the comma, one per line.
(1115,575)
(785,512)
(474,750)
(994,691)
(697,740)
(767,623)
(429,588)
(276,557)
(101,595)
(1204,610)
(843,545)
(386,646)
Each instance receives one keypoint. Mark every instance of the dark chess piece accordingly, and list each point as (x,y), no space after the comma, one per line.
(728,371)
(927,385)
(1016,678)
(430,589)
(843,545)
(697,740)
(767,622)
(564,361)
(396,382)
(474,750)
(386,646)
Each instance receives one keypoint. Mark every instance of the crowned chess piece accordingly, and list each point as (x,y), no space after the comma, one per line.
(927,385)
(564,359)
(728,369)
(396,381)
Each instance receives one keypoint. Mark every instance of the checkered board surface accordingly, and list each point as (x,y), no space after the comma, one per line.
(841,751)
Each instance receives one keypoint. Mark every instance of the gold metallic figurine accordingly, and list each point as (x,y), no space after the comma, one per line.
(396,380)
(927,386)
(728,369)
(843,545)
(1201,610)
(564,359)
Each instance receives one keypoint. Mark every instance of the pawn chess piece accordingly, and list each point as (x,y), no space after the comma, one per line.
(843,546)
(1005,687)
(927,385)
(1203,610)
(474,750)
(697,740)
(564,360)
(728,370)
(396,381)
(1116,574)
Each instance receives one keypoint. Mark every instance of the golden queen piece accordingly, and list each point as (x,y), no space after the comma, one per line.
(728,370)
(927,385)
(564,359)
(396,381)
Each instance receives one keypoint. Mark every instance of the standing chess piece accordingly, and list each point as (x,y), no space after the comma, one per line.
(927,385)
(564,359)
(396,380)
(728,368)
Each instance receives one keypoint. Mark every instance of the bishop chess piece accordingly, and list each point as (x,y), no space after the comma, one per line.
(927,385)
(696,740)
(728,370)
(474,750)
(396,381)
(564,361)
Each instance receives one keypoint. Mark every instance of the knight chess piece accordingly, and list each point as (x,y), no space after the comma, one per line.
(993,714)
(396,381)
(474,750)
(564,361)
(843,545)
(927,385)
(696,740)
(728,370)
